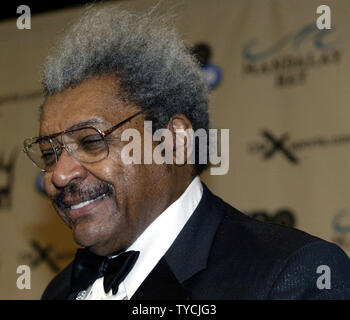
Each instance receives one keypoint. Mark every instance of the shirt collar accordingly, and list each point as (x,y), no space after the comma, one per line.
(160,234)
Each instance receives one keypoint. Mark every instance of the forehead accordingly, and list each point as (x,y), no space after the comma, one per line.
(95,98)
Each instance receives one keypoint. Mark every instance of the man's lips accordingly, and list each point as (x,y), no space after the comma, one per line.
(85,203)
(83,208)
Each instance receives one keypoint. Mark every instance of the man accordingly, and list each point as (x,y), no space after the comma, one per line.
(154,231)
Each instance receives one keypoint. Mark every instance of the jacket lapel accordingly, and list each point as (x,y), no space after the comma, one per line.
(161,284)
(186,257)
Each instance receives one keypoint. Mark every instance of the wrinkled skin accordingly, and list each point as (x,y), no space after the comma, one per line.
(135,194)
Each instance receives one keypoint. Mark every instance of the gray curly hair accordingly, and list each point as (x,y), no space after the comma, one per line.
(155,69)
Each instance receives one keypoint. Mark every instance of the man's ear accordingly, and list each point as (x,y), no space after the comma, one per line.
(182,132)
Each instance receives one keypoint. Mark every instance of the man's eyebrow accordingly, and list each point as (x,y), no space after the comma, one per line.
(85,123)
(78,125)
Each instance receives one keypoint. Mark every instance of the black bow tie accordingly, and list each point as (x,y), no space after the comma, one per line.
(87,267)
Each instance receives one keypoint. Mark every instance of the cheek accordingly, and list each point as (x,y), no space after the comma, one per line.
(123,177)
(106,171)
(48,186)
(109,170)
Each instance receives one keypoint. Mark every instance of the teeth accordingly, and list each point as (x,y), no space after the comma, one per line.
(85,203)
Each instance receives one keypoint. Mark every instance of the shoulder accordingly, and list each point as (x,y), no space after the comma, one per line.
(276,261)
(59,286)
(270,239)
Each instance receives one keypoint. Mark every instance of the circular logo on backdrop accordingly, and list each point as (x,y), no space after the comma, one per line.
(341,221)
(211,72)
(341,228)
(212,75)
(39,182)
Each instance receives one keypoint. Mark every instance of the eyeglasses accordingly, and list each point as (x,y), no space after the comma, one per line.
(86,144)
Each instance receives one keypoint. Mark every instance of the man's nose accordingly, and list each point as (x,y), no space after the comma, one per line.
(67,169)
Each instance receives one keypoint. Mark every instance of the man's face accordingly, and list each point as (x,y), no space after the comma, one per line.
(106,204)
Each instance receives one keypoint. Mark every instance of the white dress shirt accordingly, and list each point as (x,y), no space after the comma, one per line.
(152,244)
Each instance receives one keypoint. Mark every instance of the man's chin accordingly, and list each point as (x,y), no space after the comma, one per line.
(84,234)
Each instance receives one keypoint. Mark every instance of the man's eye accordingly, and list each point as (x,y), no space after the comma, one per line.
(48,157)
(92,143)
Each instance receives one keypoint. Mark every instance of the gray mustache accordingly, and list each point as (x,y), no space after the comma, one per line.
(78,194)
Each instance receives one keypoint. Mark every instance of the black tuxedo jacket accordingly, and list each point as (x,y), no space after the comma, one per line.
(224,254)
